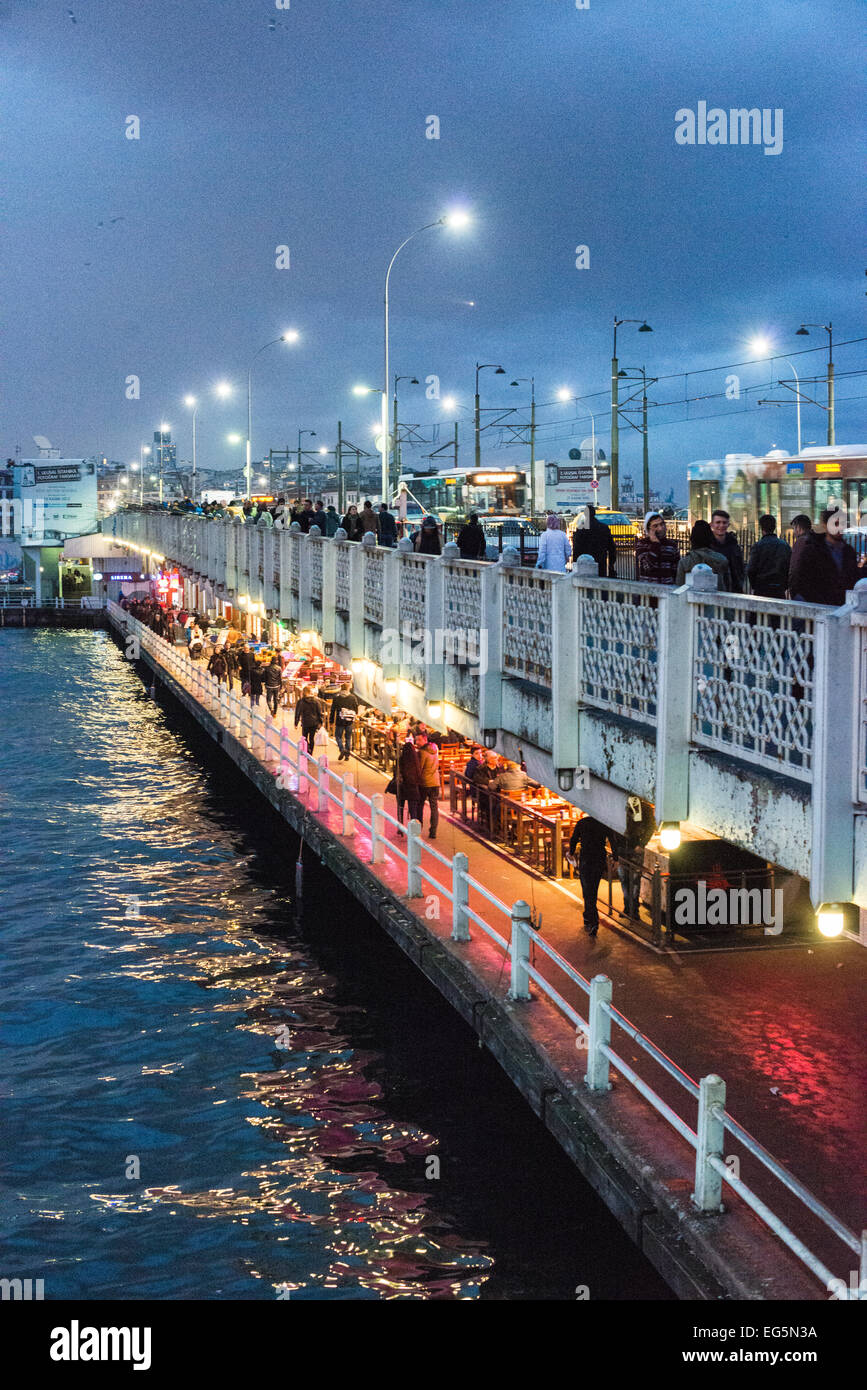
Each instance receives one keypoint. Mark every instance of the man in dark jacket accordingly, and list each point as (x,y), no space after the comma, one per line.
(407,778)
(824,566)
(387,527)
(429,766)
(273,684)
(471,539)
(726,542)
(768,569)
(591,835)
(308,713)
(344,708)
(595,539)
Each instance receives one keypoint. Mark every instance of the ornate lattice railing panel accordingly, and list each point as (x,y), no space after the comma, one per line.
(753,681)
(413,589)
(373,575)
(618,636)
(342,580)
(462,601)
(527,626)
(314,559)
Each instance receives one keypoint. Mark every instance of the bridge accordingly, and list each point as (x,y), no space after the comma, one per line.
(742,717)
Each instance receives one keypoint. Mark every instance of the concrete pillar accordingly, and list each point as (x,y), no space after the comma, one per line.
(390,614)
(491,681)
(329,591)
(305,601)
(356,601)
(835,750)
(435,674)
(675,695)
(564,672)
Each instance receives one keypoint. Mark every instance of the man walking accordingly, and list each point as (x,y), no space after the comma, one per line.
(344,708)
(591,835)
(768,569)
(429,779)
(726,542)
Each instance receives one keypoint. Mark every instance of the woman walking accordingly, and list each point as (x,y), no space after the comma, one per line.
(407,779)
(257,682)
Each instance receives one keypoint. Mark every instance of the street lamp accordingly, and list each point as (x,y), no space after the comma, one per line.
(566,395)
(615,419)
(532,381)
(290,336)
(761,347)
(455,220)
(142,450)
(498,371)
(192,403)
(803,332)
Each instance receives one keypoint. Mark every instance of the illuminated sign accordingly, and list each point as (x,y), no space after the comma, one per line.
(494,478)
(828,468)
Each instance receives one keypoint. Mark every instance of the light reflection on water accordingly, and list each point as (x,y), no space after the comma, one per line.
(193,1104)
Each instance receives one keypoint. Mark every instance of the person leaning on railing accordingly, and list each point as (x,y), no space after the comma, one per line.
(702,552)
(656,557)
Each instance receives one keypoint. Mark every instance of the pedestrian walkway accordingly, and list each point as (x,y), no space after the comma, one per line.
(784,1028)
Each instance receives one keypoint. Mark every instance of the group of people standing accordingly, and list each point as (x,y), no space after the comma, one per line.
(819,568)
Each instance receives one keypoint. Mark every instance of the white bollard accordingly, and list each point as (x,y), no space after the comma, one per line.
(413,860)
(460,898)
(520,950)
(377,844)
(322,803)
(596,1077)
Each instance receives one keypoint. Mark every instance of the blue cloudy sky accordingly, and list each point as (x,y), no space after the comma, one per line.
(306,127)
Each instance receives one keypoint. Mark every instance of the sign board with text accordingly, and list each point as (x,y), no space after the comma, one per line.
(57,497)
(568,487)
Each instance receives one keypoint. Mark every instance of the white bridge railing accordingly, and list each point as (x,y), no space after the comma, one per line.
(303,775)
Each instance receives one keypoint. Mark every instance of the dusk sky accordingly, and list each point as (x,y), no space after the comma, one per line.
(306,127)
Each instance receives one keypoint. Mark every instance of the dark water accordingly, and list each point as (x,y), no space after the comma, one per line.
(208,1095)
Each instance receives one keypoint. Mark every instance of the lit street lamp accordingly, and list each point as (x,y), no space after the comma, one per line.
(762,346)
(290,336)
(312,433)
(455,220)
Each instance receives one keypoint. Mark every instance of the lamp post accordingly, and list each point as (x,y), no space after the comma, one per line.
(532,381)
(290,336)
(803,332)
(615,420)
(455,220)
(142,450)
(193,404)
(498,371)
(413,381)
(762,347)
(300,432)
(566,395)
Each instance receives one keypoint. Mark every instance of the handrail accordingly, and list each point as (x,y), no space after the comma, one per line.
(596,1031)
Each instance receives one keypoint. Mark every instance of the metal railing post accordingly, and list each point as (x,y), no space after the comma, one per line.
(284,755)
(322,764)
(710,1136)
(377,846)
(596,1077)
(413,860)
(460,898)
(347,802)
(519,950)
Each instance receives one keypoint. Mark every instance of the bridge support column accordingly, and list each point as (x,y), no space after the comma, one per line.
(305,601)
(356,602)
(491,680)
(329,591)
(674,703)
(835,752)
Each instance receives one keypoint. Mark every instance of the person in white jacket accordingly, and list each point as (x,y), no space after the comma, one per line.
(554,547)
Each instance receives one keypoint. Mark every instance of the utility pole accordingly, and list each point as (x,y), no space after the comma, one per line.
(340,466)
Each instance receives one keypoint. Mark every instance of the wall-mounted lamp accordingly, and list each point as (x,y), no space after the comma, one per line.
(831,919)
(669,835)
(490,737)
(565,778)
